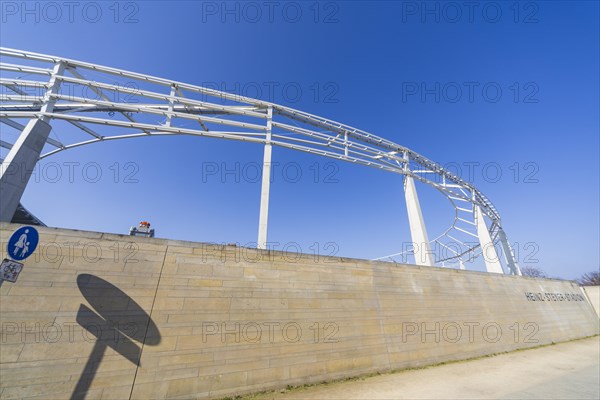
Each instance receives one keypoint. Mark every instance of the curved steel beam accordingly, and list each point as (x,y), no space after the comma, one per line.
(143,105)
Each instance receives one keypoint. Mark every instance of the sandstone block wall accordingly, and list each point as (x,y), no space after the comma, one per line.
(112,316)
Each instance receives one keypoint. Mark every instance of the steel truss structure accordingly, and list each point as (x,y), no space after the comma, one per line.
(102,103)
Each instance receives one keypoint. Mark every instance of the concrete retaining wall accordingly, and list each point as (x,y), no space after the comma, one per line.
(593,294)
(226,320)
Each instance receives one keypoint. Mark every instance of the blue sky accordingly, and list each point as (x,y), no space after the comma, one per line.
(508,87)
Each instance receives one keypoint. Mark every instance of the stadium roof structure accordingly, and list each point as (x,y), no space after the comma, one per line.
(95,104)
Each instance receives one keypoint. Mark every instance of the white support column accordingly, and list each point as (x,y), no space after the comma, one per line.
(21,159)
(346,144)
(492,262)
(418,232)
(171,103)
(509,255)
(266,186)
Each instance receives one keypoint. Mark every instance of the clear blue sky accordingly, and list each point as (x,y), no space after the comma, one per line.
(391,68)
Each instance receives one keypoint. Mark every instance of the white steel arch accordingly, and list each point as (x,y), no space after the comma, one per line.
(94,100)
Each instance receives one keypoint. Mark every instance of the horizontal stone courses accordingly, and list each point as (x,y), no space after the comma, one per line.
(192,270)
(176,358)
(47,363)
(31,389)
(32,303)
(190,318)
(10,353)
(36,284)
(167,374)
(227,325)
(16,378)
(187,291)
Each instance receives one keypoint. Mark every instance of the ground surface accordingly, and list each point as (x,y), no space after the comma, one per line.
(563,371)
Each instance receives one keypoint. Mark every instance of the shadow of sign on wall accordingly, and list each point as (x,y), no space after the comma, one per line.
(116,312)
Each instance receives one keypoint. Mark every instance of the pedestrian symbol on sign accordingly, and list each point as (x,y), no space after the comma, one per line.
(22,243)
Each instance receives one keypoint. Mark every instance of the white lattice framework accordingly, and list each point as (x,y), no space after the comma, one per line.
(104,104)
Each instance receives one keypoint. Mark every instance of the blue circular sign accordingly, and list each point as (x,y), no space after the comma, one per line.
(22,243)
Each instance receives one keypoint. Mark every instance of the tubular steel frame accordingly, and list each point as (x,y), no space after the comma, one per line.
(142,105)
